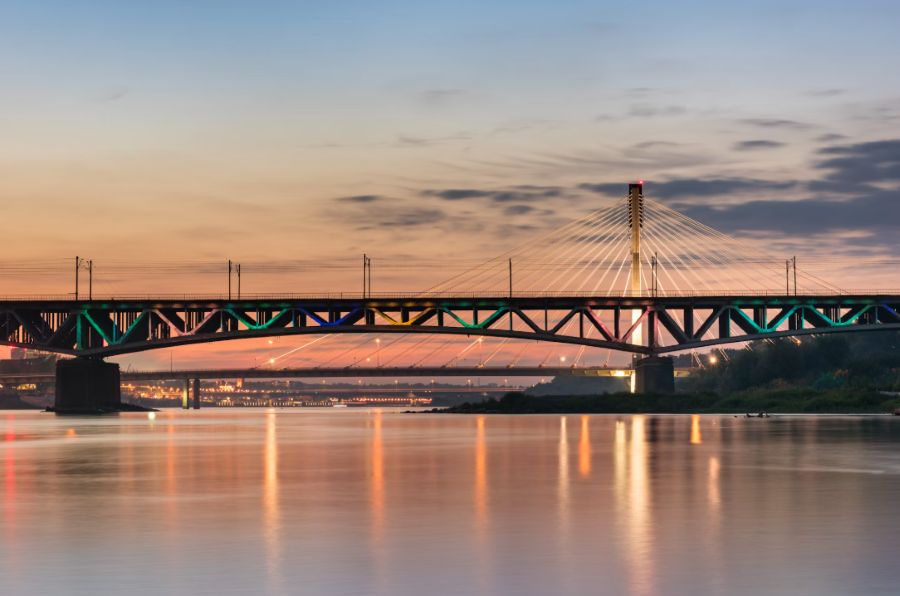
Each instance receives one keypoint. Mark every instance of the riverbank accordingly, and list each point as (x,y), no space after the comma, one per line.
(793,401)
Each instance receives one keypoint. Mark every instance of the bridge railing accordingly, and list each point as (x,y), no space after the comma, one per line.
(487,295)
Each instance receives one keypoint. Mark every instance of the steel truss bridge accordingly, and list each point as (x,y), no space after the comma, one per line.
(647,325)
(634,276)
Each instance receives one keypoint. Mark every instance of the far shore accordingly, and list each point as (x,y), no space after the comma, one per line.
(792,401)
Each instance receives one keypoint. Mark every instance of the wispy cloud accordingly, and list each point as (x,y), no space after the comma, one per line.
(645,110)
(515,194)
(440,97)
(755,144)
(113,94)
(826,92)
(776,123)
(361,199)
(693,188)
(413,141)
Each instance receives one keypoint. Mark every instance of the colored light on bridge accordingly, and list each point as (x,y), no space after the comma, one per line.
(713,359)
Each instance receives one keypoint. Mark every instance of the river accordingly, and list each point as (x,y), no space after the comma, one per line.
(306,501)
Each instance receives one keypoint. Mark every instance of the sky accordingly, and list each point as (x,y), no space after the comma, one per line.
(150,136)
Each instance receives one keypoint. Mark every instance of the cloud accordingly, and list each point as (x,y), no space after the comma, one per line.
(361,199)
(651,111)
(776,123)
(656,145)
(390,213)
(517,126)
(406,140)
(439,97)
(408,217)
(113,94)
(859,191)
(859,167)
(518,209)
(879,210)
(456,194)
(688,188)
(754,144)
(830,137)
(826,92)
(517,194)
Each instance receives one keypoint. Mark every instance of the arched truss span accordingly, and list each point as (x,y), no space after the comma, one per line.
(667,324)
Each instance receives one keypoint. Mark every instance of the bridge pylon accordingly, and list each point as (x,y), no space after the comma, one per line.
(653,374)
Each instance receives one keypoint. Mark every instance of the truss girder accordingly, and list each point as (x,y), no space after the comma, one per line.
(671,323)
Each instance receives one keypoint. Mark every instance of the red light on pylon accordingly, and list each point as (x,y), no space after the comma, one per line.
(641,182)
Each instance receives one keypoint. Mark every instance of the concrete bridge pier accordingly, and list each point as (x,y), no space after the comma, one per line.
(196,394)
(87,386)
(654,374)
(190,396)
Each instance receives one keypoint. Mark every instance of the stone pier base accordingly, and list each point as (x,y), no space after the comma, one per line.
(87,386)
(655,374)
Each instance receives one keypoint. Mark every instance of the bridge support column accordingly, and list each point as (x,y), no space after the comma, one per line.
(87,386)
(654,374)
(185,404)
(196,394)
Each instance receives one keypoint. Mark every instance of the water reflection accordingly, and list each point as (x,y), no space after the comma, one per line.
(480,474)
(584,448)
(620,460)
(712,489)
(696,437)
(482,515)
(363,502)
(377,499)
(563,467)
(271,505)
(376,490)
(632,492)
(9,486)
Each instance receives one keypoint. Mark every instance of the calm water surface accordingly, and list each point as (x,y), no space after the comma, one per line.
(379,502)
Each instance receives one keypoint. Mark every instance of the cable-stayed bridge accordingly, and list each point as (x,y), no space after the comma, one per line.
(635,276)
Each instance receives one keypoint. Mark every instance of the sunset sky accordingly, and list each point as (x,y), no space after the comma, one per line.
(167,133)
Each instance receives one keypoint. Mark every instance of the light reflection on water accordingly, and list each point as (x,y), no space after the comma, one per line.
(271,512)
(379,502)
